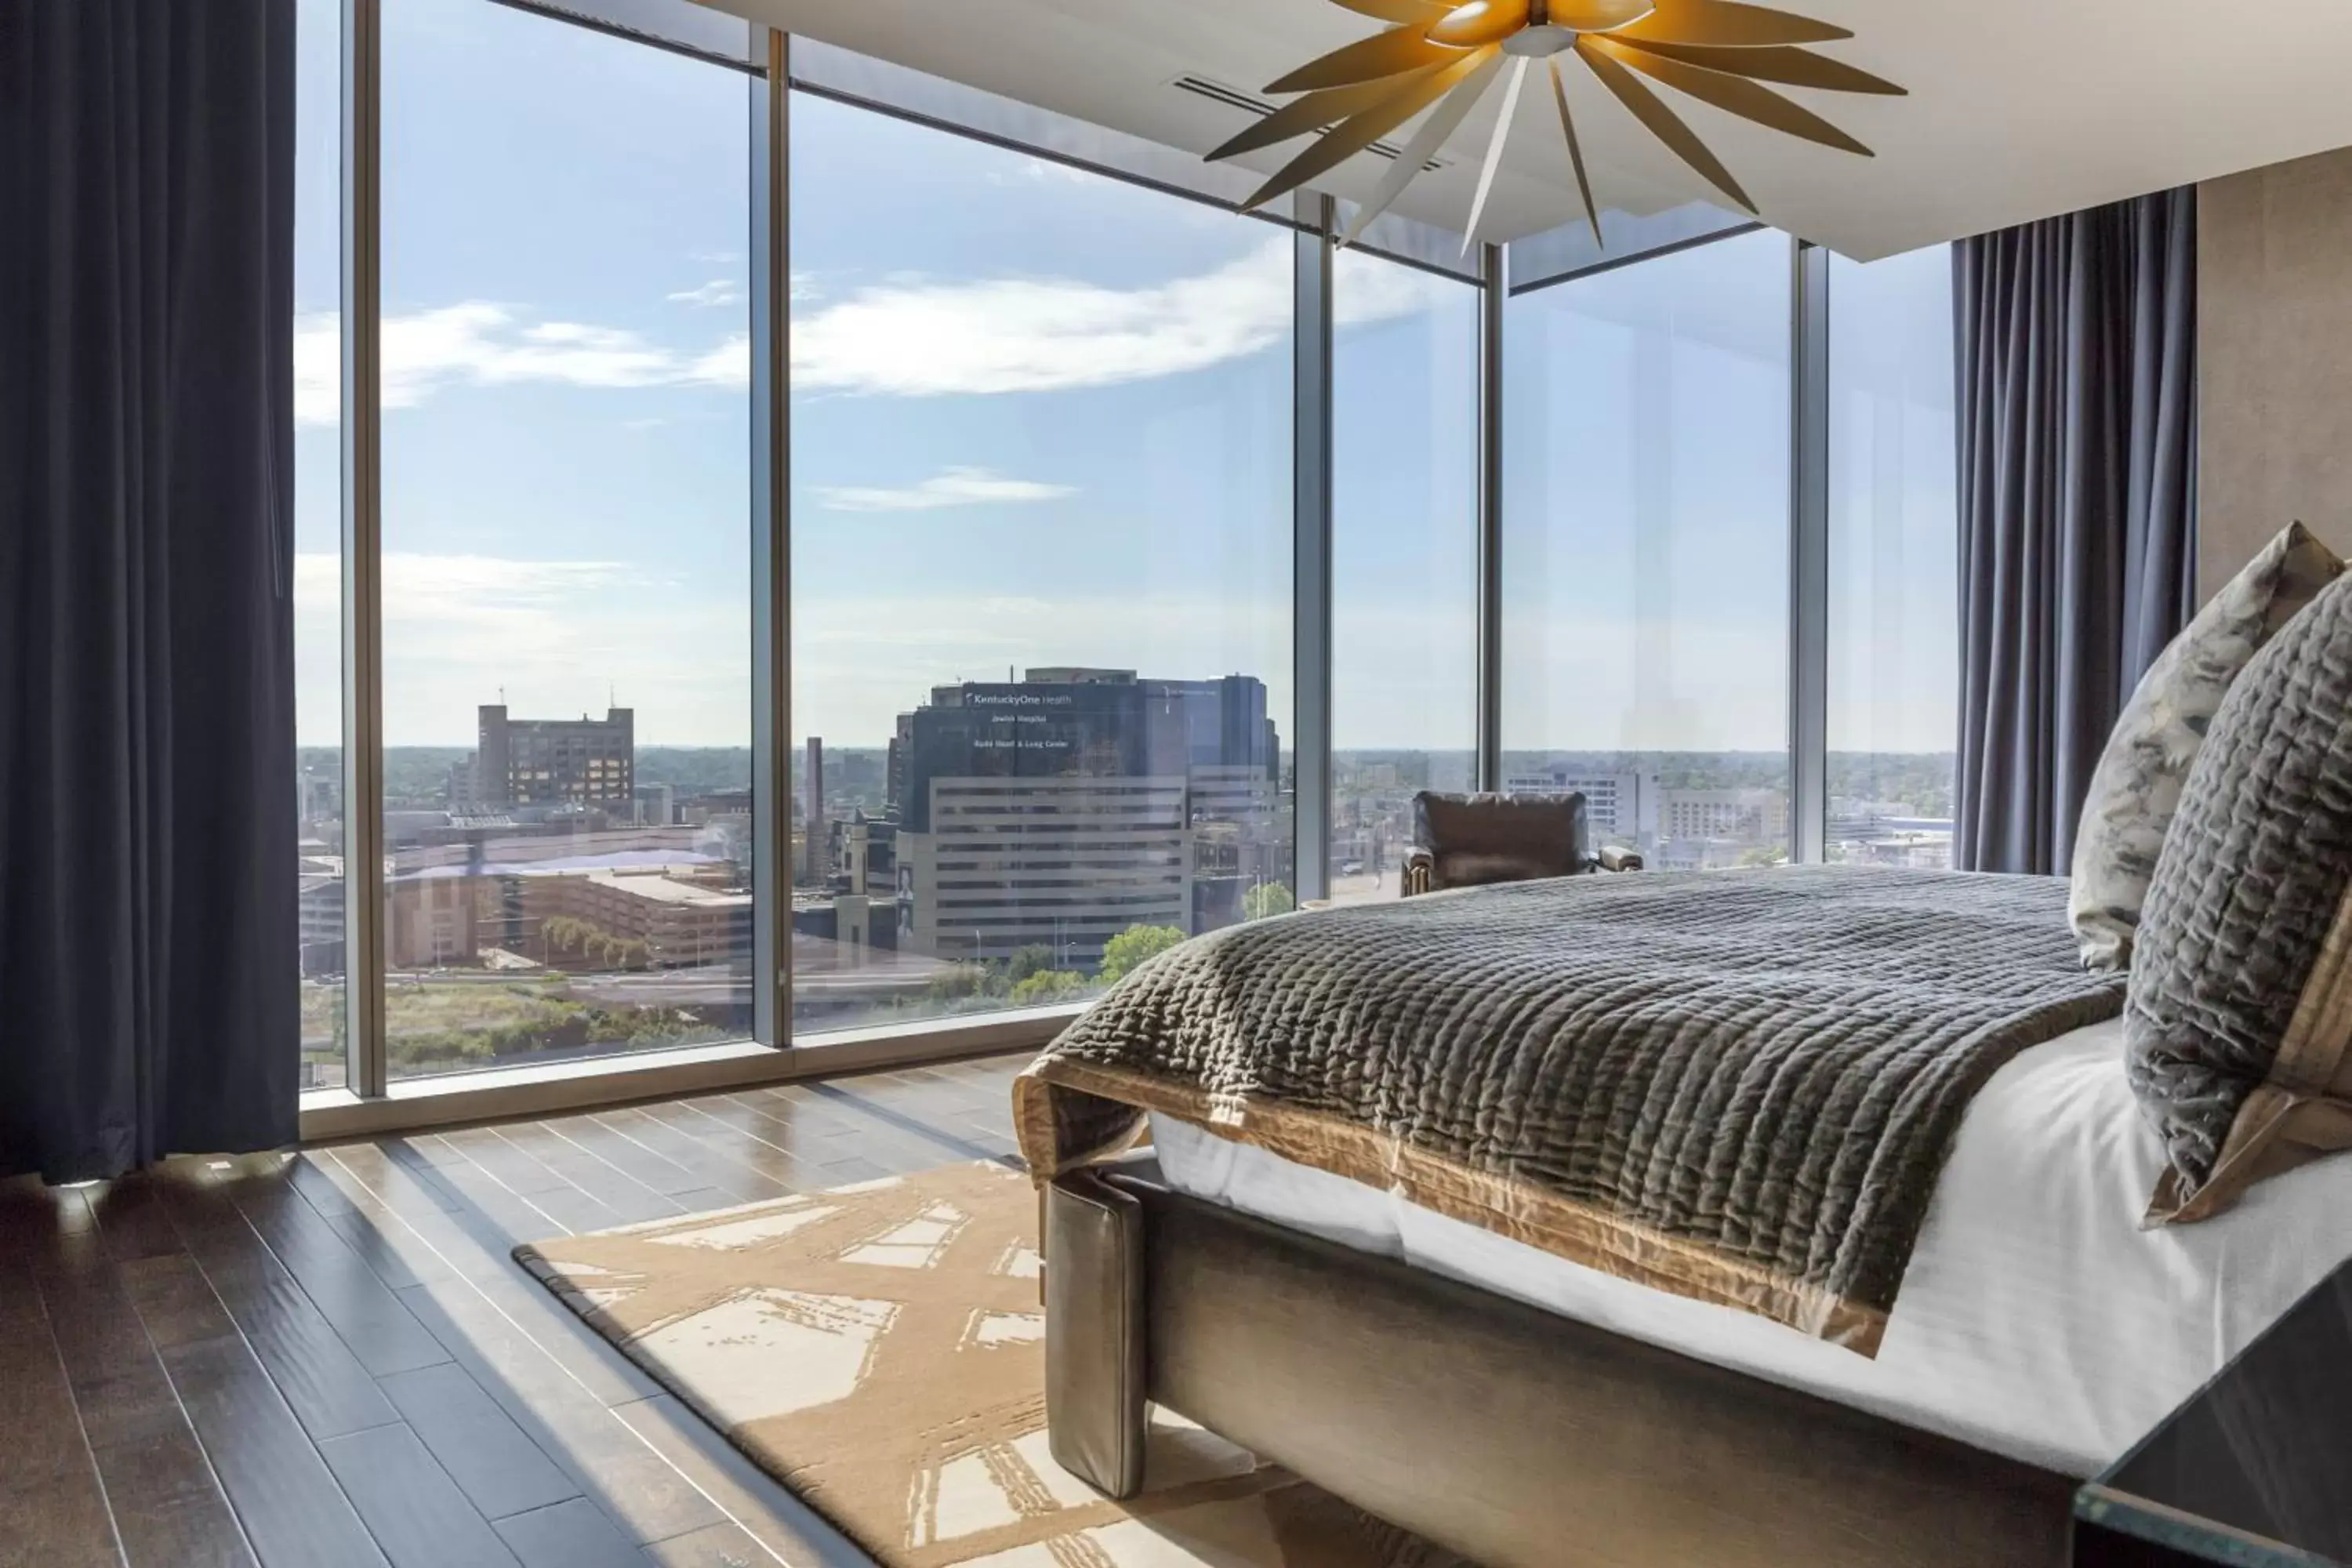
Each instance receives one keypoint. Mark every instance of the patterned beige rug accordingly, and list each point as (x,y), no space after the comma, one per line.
(879,1350)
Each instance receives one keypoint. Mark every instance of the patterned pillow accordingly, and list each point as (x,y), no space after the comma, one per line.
(2137,786)
(2241,1001)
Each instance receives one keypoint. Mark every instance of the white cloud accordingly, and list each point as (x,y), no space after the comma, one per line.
(912,337)
(1037,170)
(717,291)
(728,365)
(317,369)
(1010,334)
(483,344)
(483,589)
(950,487)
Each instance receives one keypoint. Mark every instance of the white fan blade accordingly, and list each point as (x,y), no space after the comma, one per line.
(1495,150)
(1424,146)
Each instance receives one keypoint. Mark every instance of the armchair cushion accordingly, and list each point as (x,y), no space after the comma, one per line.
(1472,839)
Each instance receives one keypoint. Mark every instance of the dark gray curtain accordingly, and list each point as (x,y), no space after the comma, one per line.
(2077,429)
(148,936)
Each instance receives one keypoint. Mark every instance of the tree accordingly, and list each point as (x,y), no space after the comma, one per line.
(1267,899)
(957,983)
(1034,959)
(1128,951)
(1046,985)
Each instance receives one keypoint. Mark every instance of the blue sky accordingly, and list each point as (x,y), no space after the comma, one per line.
(1039,417)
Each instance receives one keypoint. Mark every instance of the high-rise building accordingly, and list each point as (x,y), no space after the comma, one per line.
(1059,810)
(1060,863)
(1755,816)
(816,866)
(1619,808)
(657,804)
(465,784)
(319,789)
(556,761)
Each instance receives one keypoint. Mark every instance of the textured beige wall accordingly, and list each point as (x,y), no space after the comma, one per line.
(2274,359)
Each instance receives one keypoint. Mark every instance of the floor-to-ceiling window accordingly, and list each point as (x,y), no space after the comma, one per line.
(1041,555)
(1645,550)
(318,533)
(566,704)
(1893,640)
(1041,537)
(1404,555)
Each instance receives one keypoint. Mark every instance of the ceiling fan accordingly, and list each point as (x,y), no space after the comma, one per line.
(1718,51)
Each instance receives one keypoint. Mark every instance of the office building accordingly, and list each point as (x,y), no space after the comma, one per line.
(1060,809)
(1740,816)
(1622,808)
(556,761)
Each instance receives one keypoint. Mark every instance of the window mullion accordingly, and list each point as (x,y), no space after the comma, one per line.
(771,598)
(363,555)
(1311,534)
(1809,553)
(1492,296)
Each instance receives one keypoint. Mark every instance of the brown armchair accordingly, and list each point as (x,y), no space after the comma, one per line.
(1468,840)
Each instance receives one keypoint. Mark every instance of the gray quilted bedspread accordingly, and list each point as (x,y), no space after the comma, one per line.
(1737,1085)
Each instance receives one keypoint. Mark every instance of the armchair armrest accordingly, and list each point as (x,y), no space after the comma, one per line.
(1616,858)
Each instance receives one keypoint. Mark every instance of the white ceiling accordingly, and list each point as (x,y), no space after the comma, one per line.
(2018,109)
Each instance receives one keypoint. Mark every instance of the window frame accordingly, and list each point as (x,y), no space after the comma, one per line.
(368,1103)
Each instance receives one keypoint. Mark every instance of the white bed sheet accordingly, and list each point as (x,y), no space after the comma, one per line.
(2037,1318)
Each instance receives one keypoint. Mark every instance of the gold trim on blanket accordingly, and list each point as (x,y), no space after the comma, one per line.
(1523,1211)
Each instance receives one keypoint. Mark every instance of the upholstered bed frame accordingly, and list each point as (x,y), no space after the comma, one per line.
(1504,1433)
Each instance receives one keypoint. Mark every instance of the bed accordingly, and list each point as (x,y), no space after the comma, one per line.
(1452,1371)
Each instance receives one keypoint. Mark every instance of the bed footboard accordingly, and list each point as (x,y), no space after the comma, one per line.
(1506,1432)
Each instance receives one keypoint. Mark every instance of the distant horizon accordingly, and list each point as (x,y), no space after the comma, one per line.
(643,745)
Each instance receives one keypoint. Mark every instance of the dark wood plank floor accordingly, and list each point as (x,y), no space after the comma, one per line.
(326,1359)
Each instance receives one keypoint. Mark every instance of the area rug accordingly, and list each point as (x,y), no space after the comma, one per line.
(880,1349)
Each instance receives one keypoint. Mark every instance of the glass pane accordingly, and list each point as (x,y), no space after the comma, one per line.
(1041,572)
(1894,657)
(318,529)
(567,557)
(1645,551)
(1404,559)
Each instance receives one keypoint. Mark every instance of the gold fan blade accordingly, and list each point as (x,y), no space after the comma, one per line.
(1725,23)
(1412,12)
(1575,150)
(1661,121)
(1733,95)
(1325,106)
(1393,53)
(1440,124)
(1352,135)
(1771,63)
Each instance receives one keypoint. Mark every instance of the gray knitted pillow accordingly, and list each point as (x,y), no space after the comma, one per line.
(2240,999)
(2137,786)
